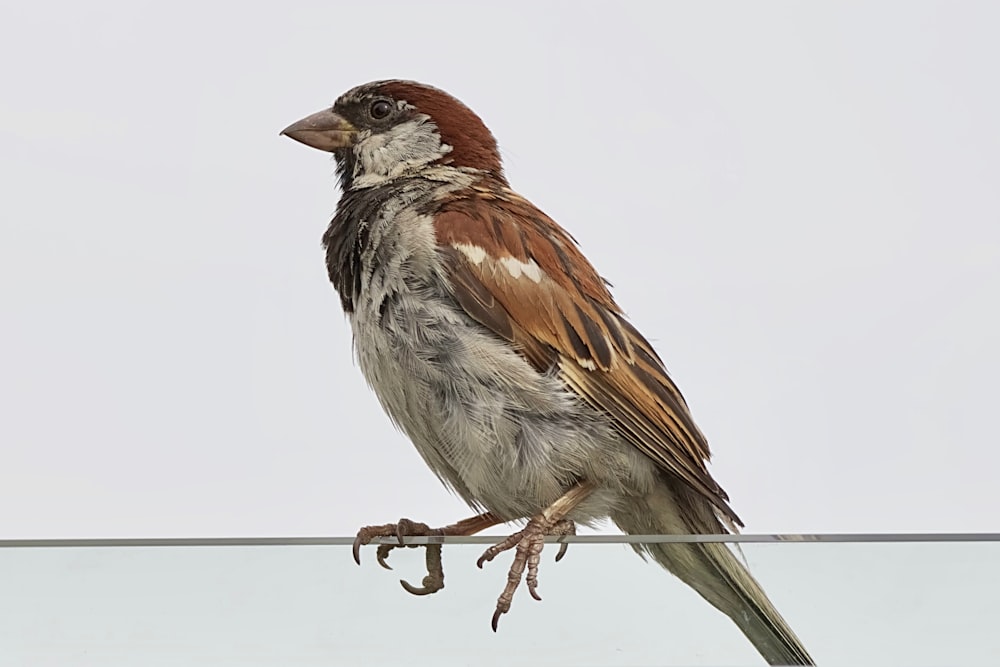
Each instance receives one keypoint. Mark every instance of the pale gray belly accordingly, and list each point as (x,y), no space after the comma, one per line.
(505,437)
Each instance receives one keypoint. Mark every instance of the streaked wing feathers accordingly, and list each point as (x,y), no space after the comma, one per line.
(522,276)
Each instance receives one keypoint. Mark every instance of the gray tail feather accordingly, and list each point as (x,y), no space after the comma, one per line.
(714,571)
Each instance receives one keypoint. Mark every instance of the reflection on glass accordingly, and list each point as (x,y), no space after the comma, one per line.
(913,603)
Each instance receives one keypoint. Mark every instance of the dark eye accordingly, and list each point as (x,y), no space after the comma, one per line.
(380,109)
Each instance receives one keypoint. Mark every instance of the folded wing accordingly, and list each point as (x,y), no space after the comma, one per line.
(519,274)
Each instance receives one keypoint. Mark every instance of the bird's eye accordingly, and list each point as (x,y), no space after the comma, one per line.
(380,109)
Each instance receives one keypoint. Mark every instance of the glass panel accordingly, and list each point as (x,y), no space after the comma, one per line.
(914,603)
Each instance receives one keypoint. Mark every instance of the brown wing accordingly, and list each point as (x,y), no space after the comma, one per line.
(518,273)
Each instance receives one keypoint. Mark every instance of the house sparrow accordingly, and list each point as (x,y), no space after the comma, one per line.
(496,347)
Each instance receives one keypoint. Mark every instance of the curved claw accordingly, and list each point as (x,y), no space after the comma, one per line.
(564,528)
(383,553)
(356,550)
(496,619)
(428,587)
(532,579)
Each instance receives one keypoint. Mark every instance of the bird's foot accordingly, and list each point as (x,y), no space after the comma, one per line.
(434,581)
(528,543)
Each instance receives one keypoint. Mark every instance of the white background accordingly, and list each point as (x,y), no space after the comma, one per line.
(798,203)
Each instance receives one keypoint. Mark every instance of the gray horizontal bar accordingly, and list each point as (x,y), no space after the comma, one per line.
(860,538)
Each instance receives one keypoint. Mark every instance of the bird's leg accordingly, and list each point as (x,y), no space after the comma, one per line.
(434,581)
(529,542)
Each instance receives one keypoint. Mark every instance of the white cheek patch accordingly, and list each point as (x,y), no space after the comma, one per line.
(387,155)
(516,268)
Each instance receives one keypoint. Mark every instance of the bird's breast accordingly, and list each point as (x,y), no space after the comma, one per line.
(506,437)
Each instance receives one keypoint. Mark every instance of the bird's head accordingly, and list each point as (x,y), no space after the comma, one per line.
(385,130)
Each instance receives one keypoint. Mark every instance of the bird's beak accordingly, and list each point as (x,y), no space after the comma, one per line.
(324,130)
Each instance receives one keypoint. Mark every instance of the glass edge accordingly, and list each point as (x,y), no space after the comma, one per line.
(861,538)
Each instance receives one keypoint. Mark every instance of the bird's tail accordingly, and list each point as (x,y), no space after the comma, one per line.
(712,569)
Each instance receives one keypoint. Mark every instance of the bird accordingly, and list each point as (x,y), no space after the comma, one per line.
(495,346)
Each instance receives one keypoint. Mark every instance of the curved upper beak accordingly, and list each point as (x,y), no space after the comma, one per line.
(324,130)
